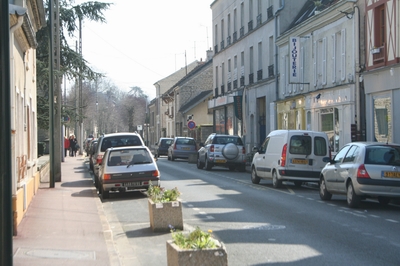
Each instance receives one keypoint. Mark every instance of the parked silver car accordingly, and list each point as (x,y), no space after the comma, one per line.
(222,150)
(362,170)
(126,169)
(182,148)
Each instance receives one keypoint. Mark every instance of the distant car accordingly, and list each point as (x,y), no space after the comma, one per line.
(127,169)
(222,150)
(362,170)
(182,148)
(162,146)
(113,140)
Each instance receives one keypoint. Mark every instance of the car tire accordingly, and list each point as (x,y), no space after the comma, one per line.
(172,158)
(323,192)
(169,158)
(96,182)
(384,200)
(298,183)
(353,200)
(105,194)
(200,165)
(254,177)
(276,183)
(208,165)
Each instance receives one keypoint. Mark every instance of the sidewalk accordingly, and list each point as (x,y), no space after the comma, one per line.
(66,225)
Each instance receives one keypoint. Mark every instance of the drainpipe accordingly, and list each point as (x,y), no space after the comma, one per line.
(12,94)
(277,59)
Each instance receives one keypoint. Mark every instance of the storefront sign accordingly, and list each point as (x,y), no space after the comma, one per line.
(294,50)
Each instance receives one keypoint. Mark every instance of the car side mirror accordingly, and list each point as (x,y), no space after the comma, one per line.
(201,144)
(255,149)
(328,160)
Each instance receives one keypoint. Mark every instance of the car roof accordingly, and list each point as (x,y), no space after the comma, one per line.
(121,134)
(128,148)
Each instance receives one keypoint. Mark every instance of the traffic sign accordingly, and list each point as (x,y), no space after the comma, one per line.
(191,124)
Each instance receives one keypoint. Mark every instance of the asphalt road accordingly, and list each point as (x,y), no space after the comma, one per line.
(259,225)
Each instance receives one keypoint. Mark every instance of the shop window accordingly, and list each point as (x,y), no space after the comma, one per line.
(382,118)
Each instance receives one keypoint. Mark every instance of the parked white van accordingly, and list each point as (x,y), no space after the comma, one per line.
(290,155)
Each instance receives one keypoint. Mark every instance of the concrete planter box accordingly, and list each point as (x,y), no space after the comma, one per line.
(196,257)
(162,215)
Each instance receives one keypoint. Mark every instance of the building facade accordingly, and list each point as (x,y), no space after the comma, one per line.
(26,18)
(319,71)
(245,65)
(381,78)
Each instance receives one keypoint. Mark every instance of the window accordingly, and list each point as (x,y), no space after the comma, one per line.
(341,154)
(260,56)
(263,147)
(382,117)
(320,146)
(300,145)
(352,154)
(331,126)
(380,26)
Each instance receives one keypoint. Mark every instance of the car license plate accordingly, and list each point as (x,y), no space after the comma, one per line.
(391,174)
(299,161)
(220,161)
(186,148)
(132,184)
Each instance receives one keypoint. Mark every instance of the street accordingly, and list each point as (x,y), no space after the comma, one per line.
(259,225)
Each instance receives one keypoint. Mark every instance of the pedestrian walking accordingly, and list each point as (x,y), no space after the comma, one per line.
(72,145)
(66,145)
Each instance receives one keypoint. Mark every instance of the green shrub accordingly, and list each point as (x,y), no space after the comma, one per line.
(159,194)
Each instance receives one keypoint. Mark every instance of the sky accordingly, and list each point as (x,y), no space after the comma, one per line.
(143,42)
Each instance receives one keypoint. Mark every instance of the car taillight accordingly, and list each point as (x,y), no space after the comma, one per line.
(362,172)
(212,148)
(99,159)
(243,150)
(106,176)
(283,156)
(156,173)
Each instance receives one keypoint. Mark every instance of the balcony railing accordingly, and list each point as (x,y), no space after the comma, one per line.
(250,25)
(270,14)
(251,78)
(235,84)
(222,89)
(228,40)
(259,74)
(259,19)
(379,55)
(270,71)
(222,45)
(241,32)
(235,36)
(229,86)
(242,81)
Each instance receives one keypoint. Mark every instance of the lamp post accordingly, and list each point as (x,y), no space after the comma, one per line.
(147,134)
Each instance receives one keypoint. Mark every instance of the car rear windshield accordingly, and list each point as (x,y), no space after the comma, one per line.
(166,142)
(186,142)
(302,145)
(120,141)
(225,140)
(129,157)
(383,155)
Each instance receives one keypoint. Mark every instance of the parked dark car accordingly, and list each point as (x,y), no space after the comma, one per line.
(363,170)
(162,146)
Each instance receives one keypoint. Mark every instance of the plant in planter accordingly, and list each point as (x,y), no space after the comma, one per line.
(195,248)
(165,209)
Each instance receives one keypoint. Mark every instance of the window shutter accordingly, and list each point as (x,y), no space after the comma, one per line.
(315,64)
(333,58)
(324,55)
(343,55)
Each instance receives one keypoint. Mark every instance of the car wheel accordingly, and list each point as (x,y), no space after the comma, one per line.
(169,158)
(105,194)
(172,158)
(96,182)
(323,192)
(208,165)
(276,183)
(200,165)
(353,200)
(242,168)
(298,183)
(384,200)
(254,177)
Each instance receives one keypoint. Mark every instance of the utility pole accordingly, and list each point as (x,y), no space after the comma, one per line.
(80,139)
(58,136)
(6,217)
(51,96)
